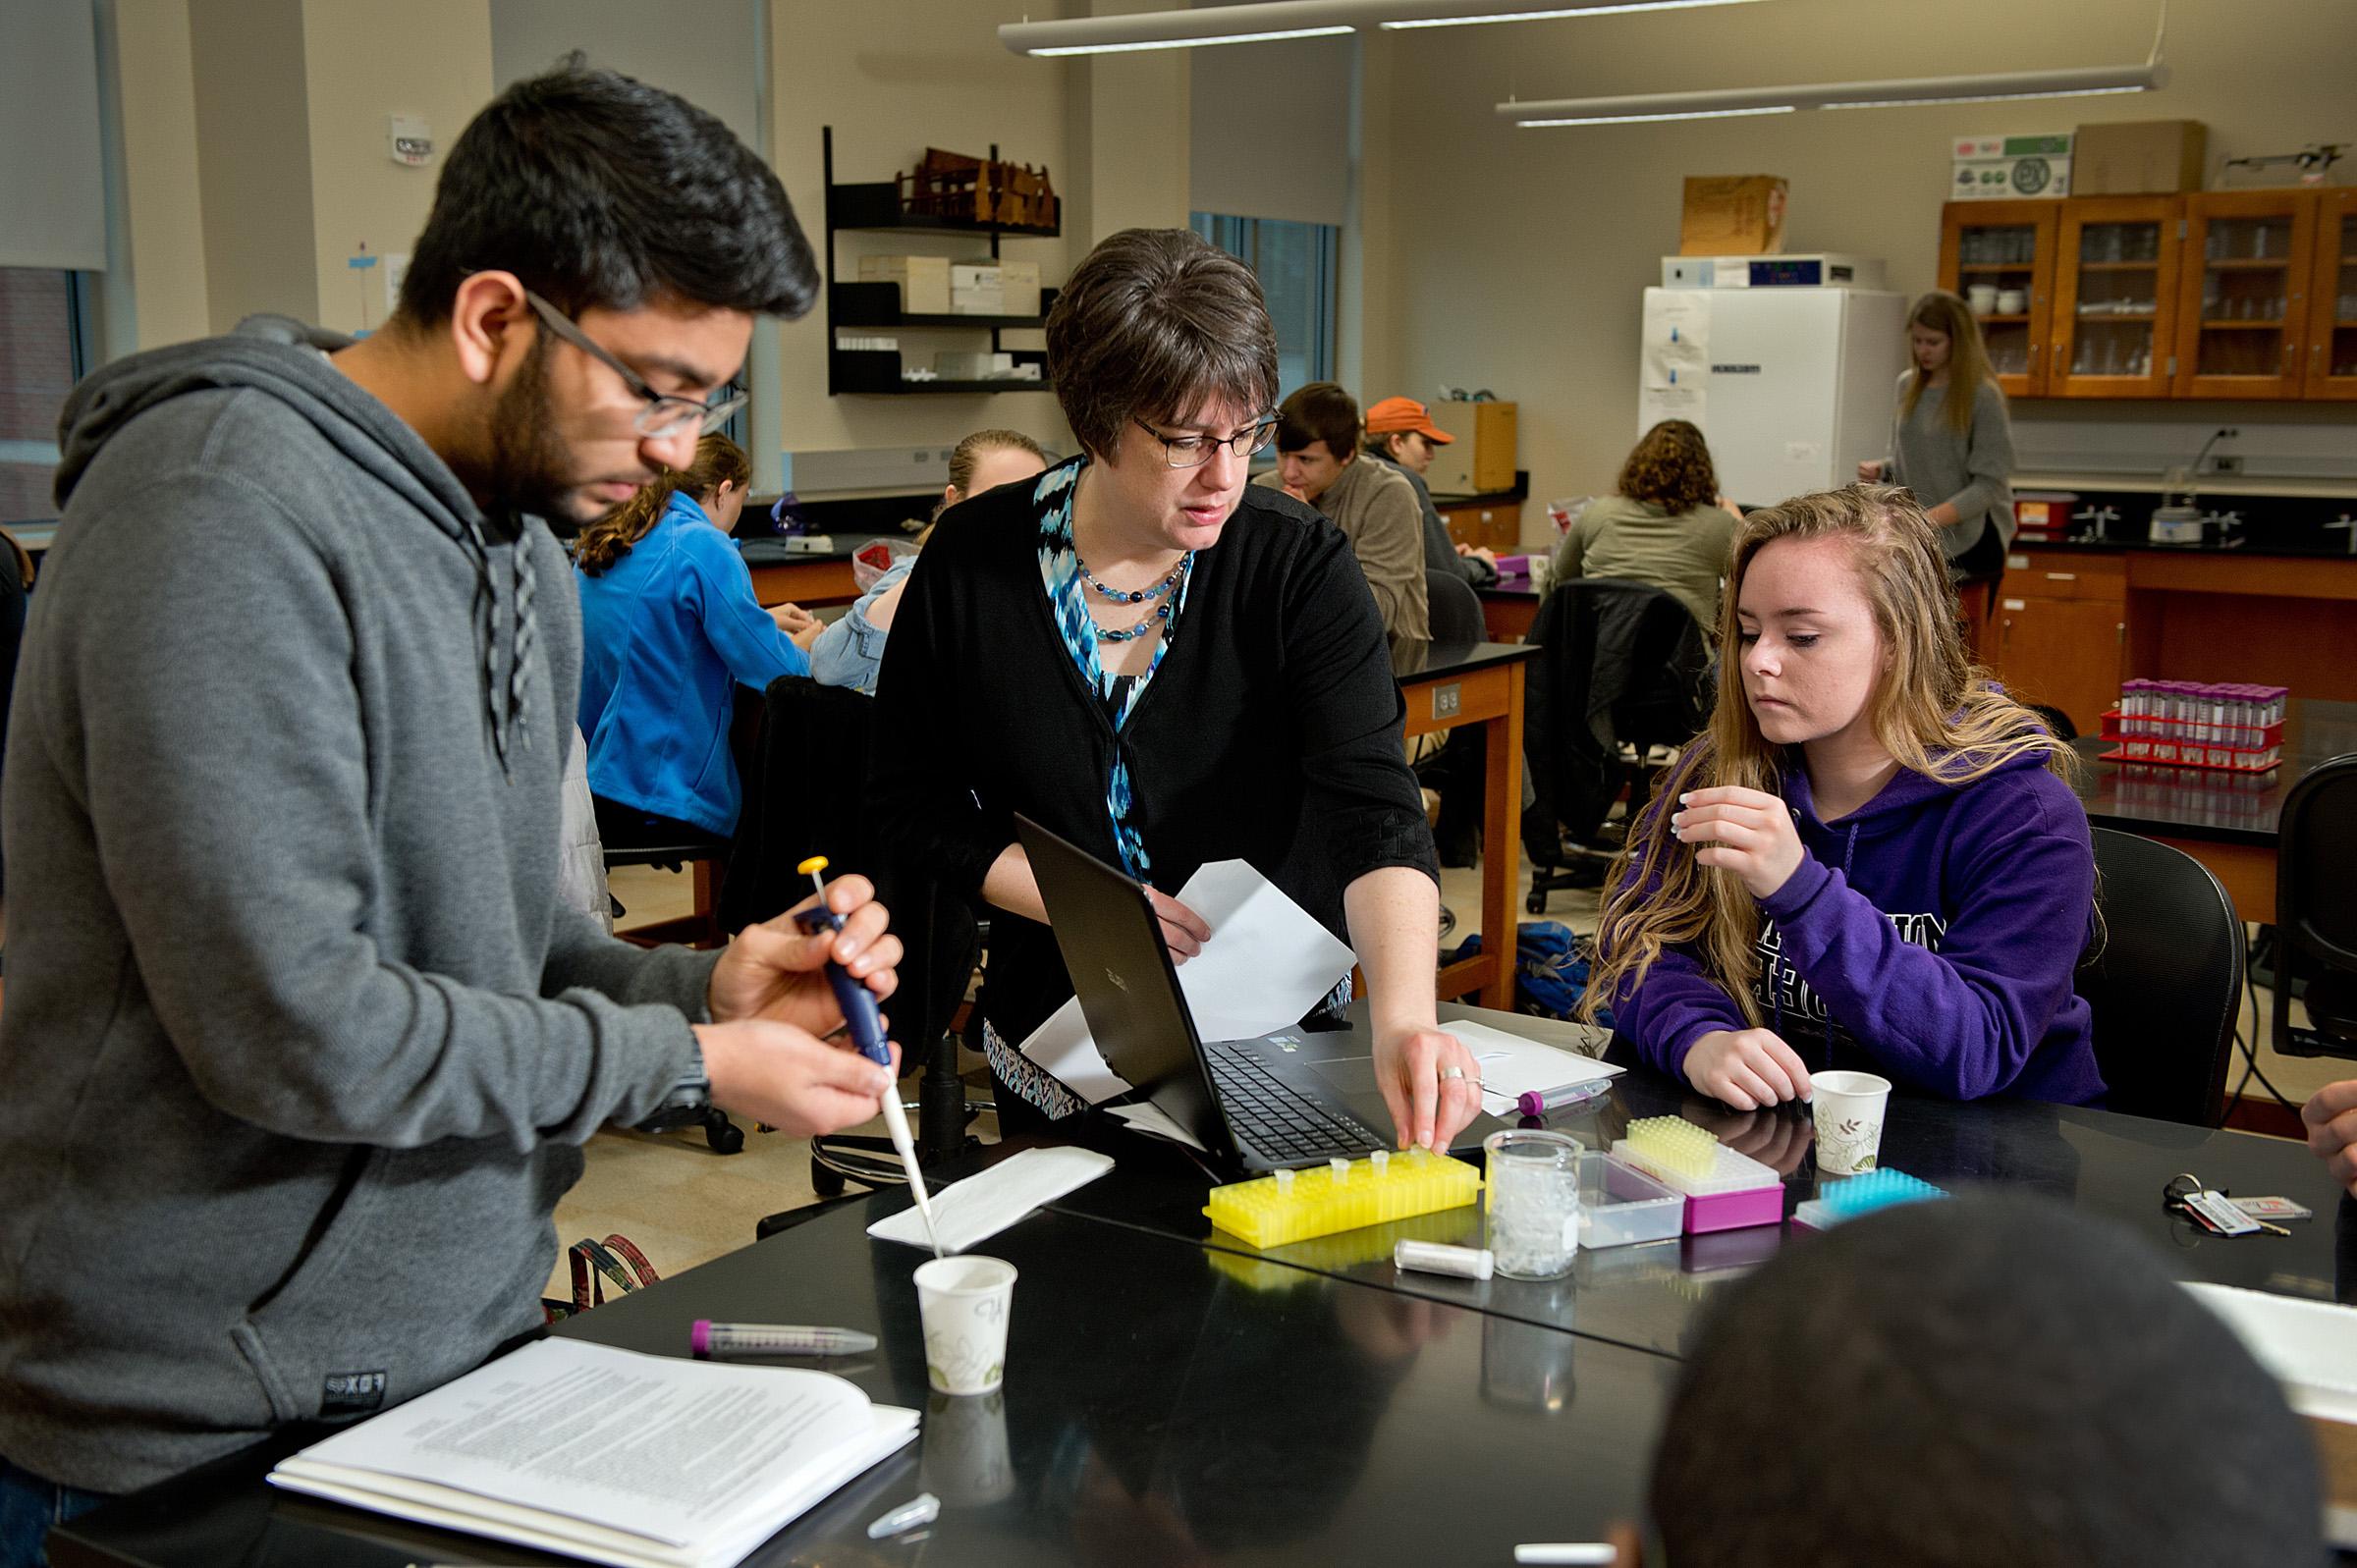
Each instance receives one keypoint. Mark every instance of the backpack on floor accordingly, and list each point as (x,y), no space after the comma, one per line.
(1550,968)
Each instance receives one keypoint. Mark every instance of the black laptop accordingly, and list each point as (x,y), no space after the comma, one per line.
(1283,1100)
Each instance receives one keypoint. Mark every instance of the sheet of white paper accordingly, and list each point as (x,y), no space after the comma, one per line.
(1511,1064)
(1063,1047)
(1268,961)
(2310,1346)
(1677,335)
(1267,964)
(970,1212)
(1152,1120)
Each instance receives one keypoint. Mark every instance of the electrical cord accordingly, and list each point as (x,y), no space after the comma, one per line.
(2250,1046)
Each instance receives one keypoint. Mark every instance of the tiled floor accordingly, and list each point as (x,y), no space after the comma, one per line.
(682,1204)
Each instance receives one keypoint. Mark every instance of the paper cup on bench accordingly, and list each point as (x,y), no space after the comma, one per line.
(1849,1108)
(963,1303)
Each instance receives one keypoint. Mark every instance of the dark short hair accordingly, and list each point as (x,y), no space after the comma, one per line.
(1670,466)
(1975,1381)
(600,192)
(1154,322)
(1319,412)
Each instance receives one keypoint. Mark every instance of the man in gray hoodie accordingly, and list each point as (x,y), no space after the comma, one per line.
(300,1043)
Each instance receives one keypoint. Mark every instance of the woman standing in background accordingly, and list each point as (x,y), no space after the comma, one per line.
(1954,450)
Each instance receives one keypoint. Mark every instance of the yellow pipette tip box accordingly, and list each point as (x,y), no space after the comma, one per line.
(1296,1205)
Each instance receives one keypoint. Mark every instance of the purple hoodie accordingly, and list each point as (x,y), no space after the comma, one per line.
(1929,936)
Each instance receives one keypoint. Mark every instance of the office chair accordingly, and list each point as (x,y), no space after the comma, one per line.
(2316,912)
(1454,608)
(806,789)
(2166,989)
(1622,663)
(703,852)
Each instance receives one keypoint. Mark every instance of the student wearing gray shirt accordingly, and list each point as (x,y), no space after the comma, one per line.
(1955,452)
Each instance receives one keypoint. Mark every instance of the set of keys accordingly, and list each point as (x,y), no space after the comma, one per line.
(2215,1211)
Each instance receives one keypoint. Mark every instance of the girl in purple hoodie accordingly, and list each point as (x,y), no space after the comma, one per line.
(1871,858)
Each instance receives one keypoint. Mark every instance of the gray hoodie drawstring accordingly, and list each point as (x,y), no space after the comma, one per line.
(506,717)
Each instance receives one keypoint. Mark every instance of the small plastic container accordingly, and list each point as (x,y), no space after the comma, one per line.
(1724,1190)
(1620,1205)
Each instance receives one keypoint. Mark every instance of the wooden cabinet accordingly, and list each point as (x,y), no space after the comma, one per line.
(2242,300)
(2332,299)
(1495,524)
(2008,247)
(2116,297)
(2062,632)
(2224,294)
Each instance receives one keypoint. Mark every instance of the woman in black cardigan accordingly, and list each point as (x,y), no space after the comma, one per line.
(1167,669)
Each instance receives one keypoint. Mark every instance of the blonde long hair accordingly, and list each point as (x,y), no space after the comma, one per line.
(1933,710)
(718,461)
(1967,357)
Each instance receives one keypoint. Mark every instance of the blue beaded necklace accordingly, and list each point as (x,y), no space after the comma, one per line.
(1152,619)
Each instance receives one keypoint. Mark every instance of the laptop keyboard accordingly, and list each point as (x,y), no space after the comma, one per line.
(1277,1120)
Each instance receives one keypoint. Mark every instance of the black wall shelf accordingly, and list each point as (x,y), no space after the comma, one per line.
(875,208)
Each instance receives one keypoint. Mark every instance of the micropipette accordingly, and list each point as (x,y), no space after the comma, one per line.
(866,1024)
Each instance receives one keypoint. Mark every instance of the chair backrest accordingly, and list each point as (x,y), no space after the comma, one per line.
(1619,661)
(2166,989)
(2316,897)
(805,793)
(1454,607)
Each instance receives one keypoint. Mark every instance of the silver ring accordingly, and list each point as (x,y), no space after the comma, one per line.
(1448,1073)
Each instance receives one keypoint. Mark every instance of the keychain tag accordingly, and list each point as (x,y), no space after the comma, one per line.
(2214,1211)
(2272,1209)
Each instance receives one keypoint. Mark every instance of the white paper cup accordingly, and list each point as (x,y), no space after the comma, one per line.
(963,1303)
(1849,1108)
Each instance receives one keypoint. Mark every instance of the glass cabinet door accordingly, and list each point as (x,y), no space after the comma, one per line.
(2332,300)
(2242,303)
(2116,297)
(2000,255)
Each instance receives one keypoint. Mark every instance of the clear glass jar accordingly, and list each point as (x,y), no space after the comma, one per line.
(1532,1198)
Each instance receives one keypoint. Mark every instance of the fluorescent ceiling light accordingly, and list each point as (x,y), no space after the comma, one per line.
(2070,82)
(1267,21)
(1489,13)
(1632,119)
(1187,43)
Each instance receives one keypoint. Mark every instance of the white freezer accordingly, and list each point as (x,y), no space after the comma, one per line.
(1792,387)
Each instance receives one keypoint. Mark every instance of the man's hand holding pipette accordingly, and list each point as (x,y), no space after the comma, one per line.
(776,969)
(772,1003)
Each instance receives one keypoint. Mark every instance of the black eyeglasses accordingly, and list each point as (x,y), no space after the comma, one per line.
(1194,451)
(665,414)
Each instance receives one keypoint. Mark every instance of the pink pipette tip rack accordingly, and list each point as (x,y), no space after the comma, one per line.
(1724,1190)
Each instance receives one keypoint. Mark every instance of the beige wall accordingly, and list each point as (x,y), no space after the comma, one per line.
(893,77)
(254,164)
(431,59)
(1520,255)
(158,98)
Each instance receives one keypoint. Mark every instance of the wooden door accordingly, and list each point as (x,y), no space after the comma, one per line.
(2005,246)
(2242,295)
(2116,297)
(2332,299)
(2064,653)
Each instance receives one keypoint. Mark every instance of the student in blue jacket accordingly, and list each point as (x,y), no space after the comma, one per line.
(670,627)
(1871,858)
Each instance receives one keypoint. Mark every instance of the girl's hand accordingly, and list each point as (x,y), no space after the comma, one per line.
(1747,831)
(1747,1068)
(1870,471)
